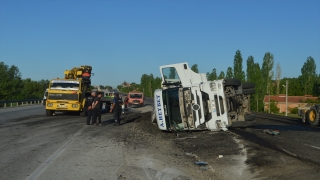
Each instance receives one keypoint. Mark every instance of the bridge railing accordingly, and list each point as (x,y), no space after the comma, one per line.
(15,103)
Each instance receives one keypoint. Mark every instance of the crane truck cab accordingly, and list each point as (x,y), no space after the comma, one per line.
(69,94)
(188,101)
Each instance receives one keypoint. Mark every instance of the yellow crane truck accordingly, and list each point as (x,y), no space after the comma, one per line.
(69,94)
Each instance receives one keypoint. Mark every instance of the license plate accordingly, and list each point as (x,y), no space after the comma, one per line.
(62,105)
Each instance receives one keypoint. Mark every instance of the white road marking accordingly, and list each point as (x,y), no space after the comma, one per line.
(36,174)
(312,146)
(289,153)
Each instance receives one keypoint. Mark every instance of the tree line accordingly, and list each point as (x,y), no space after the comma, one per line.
(148,83)
(13,87)
(268,79)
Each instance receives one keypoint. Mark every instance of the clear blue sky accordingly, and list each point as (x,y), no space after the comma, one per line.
(124,39)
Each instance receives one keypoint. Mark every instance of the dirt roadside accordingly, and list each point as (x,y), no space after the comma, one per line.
(228,155)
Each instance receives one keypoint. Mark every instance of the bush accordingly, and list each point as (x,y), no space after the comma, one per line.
(273,106)
(294,110)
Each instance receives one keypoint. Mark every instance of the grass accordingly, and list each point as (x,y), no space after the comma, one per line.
(289,115)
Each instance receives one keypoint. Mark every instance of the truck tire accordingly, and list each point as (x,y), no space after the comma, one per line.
(248,91)
(232,82)
(249,117)
(248,85)
(49,112)
(313,116)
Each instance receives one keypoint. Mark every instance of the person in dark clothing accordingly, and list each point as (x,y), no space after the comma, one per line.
(116,108)
(88,106)
(96,110)
(99,112)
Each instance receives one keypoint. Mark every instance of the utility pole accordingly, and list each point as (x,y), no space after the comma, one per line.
(286,97)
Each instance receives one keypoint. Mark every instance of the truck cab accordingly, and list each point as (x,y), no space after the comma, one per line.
(135,98)
(188,101)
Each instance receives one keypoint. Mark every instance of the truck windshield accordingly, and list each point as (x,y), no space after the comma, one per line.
(135,95)
(171,101)
(69,85)
(170,75)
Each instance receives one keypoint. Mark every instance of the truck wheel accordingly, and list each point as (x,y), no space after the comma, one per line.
(248,85)
(249,117)
(232,82)
(49,112)
(313,116)
(248,91)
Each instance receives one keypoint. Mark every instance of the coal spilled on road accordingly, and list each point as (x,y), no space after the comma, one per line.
(234,154)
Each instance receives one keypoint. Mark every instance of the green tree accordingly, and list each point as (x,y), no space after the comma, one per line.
(213,75)
(294,87)
(257,98)
(238,73)
(266,72)
(156,83)
(150,85)
(108,87)
(10,82)
(274,106)
(194,68)
(208,75)
(221,75)
(308,75)
(316,87)
(229,73)
(250,69)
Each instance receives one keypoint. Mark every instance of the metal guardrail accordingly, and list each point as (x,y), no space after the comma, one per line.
(14,103)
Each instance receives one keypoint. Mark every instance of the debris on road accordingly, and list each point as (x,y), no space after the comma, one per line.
(220,156)
(271,132)
(200,163)
(188,137)
(191,154)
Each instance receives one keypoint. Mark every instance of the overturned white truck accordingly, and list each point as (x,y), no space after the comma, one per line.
(188,101)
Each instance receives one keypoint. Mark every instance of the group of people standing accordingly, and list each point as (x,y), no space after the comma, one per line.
(93,108)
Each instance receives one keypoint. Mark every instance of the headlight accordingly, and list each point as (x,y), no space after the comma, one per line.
(50,105)
(74,105)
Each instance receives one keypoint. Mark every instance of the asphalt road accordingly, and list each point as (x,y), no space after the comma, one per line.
(35,146)
(7,114)
(296,139)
